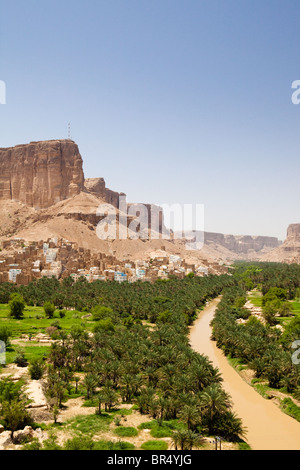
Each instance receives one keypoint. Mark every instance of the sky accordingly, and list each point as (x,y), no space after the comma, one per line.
(171,101)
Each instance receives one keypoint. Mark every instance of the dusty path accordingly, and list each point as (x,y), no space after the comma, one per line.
(268,428)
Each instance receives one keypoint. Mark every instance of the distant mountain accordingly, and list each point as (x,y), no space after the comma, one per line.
(233,247)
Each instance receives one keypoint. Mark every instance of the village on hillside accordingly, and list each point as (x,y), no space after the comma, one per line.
(22,262)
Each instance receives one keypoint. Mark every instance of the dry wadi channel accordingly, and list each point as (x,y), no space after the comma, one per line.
(268,428)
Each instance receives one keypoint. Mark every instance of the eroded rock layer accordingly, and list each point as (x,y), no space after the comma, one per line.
(41,174)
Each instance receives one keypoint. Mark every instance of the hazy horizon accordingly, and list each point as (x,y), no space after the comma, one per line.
(169,102)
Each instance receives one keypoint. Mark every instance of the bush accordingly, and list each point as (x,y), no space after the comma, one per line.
(110,445)
(39,317)
(56,324)
(86,443)
(126,431)
(36,369)
(20,359)
(34,445)
(49,309)
(52,332)
(100,313)
(5,334)
(161,431)
(16,306)
(104,325)
(79,443)
(290,408)
(62,313)
(154,445)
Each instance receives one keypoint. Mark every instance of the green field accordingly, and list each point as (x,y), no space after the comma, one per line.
(256,299)
(296,307)
(34,322)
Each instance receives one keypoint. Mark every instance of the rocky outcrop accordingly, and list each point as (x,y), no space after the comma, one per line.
(242,244)
(293,233)
(98,187)
(289,251)
(41,174)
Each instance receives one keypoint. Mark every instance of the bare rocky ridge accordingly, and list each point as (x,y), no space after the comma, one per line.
(242,246)
(233,247)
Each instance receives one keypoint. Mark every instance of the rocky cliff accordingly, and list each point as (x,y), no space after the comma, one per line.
(49,176)
(242,244)
(41,174)
(289,251)
(293,234)
(97,186)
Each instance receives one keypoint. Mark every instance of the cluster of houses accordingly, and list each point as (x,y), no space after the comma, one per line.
(21,262)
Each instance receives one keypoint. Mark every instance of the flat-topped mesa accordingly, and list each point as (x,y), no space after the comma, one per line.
(41,174)
(242,243)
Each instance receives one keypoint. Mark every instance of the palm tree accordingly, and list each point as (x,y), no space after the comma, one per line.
(90,382)
(186,440)
(179,440)
(101,399)
(190,415)
(214,401)
(193,440)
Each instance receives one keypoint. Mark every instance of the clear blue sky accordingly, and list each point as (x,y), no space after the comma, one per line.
(170,101)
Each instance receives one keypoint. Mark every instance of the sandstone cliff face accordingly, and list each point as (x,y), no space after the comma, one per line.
(293,233)
(289,251)
(41,174)
(242,244)
(98,187)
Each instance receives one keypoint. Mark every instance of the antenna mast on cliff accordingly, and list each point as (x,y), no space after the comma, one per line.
(69,131)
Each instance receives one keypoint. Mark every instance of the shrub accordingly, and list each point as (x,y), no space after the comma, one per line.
(100,312)
(36,369)
(126,431)
(117,421)
(20,359)
(34,445)
(39,317)
(5,334)
(79,443)
(110,445)
(62,313)
(104,325)
(49,309)
(154,445)
(161,431)
(16,306)
(56,324)
(291,408)
(52,332)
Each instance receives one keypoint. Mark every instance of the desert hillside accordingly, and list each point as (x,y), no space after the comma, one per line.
(45,198)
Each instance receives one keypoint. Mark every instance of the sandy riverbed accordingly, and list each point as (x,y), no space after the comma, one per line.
(268,428)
